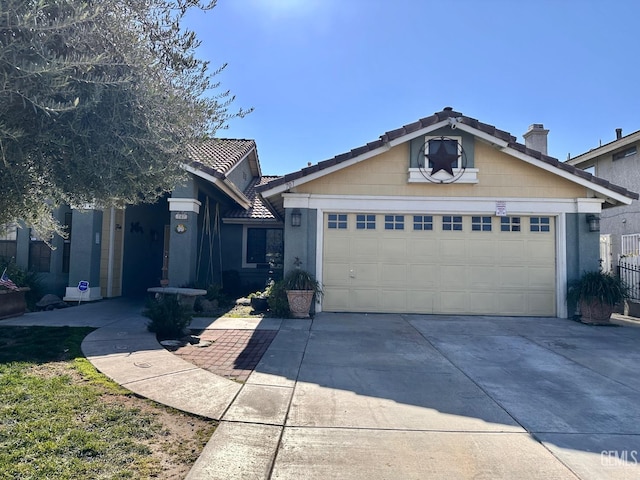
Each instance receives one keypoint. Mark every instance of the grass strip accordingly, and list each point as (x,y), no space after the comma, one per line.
(61,419)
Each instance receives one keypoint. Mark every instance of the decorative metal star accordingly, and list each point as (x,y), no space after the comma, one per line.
(442,160)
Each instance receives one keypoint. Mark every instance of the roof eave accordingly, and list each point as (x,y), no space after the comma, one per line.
(604,149)
(601,191)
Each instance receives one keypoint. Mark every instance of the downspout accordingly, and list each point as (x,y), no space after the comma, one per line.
(112,239)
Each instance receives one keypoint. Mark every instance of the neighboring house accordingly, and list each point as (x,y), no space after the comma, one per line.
(618,162)
(446,215)
(214,229)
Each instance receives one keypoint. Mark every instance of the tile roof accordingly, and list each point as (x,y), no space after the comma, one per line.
(432,120)
(258,210)
(607,148)
(220,154)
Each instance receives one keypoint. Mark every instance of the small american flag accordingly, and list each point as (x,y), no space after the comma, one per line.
(5,281)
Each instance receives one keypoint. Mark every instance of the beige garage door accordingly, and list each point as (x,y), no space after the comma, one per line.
(453,264)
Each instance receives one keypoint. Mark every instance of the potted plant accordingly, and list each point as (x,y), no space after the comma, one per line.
(597,293)
(301,286)
(259,301)
(12,296)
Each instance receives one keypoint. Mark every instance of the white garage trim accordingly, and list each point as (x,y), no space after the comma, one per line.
(464,208)
(561,265)
(409,204)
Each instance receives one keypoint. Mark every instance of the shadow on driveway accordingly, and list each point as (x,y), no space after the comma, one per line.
(573,388)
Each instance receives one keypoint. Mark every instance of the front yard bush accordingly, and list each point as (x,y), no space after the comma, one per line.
(169,318)
(278,303)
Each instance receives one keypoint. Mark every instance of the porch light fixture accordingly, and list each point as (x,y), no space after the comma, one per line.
(296,217)
(594,223)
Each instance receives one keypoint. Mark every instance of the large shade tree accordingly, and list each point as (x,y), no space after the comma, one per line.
(97,100)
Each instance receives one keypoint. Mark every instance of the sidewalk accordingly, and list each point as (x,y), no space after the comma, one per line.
(122,349)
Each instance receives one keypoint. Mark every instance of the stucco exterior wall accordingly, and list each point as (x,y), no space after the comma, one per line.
(54,281)
(623,220)
(500,175)
(582,248)
(300,242)
(241,175)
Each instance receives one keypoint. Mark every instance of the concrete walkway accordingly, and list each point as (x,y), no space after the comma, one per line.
(392,396)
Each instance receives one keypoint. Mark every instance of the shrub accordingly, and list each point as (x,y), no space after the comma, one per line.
(216,294)
(168,316)
(278,303)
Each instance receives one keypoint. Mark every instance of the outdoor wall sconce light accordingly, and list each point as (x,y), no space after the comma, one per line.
(296,217)
(594,223)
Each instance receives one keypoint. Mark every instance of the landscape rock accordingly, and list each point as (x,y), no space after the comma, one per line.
(50,302)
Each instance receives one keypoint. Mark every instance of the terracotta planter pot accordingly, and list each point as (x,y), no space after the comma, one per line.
(595,312)
(300,302)
(12,302)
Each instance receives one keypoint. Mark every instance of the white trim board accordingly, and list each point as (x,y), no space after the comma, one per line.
(409,204)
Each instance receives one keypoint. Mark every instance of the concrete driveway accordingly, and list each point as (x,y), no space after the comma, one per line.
(413,397)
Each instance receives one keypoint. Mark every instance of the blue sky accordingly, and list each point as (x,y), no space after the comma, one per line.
(326,76)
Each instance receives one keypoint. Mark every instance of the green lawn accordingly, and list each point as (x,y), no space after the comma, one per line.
(61,419)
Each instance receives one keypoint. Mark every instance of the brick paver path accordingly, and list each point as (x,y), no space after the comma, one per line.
(233,354)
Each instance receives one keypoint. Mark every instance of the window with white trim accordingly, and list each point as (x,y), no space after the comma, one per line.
(509,224)
(365,222)
(264,245)
(630,245)
(450,145)
(337,220)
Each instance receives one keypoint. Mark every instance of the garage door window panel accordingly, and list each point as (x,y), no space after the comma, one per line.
(452,223)
(365,222)
(337,221)
(540,224)
(510,224)
(480,224)
(394,222)
(423,222)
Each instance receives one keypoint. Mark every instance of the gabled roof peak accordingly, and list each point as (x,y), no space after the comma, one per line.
(484,130)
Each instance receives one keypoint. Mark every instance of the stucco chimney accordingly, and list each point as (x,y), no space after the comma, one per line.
(618,133)
(536,138)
